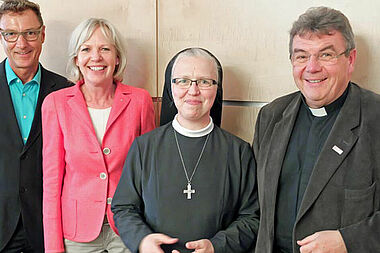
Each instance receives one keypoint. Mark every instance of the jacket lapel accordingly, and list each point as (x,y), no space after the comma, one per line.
(276,153)
(120,102)
(78,107)
(340,139)
(46,86)
(7,112)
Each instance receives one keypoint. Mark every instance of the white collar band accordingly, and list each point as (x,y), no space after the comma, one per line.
(319,112)
(192,133)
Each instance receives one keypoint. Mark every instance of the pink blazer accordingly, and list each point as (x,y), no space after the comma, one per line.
(80,175)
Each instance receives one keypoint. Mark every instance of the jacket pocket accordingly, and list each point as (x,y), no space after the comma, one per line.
(69,217)
(358,204)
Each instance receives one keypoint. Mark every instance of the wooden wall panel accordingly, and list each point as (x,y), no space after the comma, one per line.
(237,32)
(240,120)
(250,37)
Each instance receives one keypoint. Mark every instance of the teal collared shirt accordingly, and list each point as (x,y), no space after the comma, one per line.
(24,98)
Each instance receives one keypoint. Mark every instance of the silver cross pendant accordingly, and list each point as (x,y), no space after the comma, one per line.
(189,191)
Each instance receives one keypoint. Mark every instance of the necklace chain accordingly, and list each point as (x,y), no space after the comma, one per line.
(183,163)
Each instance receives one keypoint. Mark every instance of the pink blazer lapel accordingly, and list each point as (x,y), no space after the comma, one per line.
(120,102)
(79,108)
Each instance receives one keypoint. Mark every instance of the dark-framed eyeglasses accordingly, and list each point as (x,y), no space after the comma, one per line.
(327,57)
(29,35)
(185,83)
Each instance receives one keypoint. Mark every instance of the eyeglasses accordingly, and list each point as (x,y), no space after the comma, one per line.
(328,57)
(185,83)
(29,35)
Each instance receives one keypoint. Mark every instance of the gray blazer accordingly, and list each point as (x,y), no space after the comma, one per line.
(344,189)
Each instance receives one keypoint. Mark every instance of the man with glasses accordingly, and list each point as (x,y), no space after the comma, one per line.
(188,186)
(23,85)
(317,150)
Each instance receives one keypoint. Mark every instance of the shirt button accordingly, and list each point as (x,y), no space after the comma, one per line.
(24,116)
(25,138)
(103,175)
(18,80)
(109,201)
(23,94)
(106,151)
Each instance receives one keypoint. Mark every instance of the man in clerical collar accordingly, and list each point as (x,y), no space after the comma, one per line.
(317,149)
(23,85)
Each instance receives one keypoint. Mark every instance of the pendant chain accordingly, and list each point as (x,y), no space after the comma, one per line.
(183,163)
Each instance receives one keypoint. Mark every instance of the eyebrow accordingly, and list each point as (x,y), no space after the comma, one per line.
(296,50)
(328,47)
(90,45)
(200,77)
(28,29)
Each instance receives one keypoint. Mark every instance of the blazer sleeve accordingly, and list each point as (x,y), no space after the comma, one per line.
(127,203)
(241,234)
(147,115)
(53,170)
(363,236)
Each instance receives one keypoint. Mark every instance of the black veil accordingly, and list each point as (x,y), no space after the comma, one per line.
(168,109)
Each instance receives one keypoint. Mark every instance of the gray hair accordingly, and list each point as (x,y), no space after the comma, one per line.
(197,52)
(323,20)
(82,33)
(18,6)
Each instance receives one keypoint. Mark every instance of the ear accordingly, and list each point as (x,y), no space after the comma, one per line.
(76,60)
(43,34)
(117,60)
(352,60)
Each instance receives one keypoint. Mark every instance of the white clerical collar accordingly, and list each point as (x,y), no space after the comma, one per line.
(319,112)
(192,133)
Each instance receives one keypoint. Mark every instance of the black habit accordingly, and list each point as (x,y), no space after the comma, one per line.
(150,198)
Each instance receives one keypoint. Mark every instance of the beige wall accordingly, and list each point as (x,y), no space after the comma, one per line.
(250,38)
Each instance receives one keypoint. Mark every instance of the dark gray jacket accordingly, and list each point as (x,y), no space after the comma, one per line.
(344,189)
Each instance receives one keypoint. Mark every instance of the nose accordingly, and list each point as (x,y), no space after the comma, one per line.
(313,65)
(96,56)
(21,42)
(193,89)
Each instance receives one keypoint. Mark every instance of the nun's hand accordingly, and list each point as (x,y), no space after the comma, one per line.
(201,246)
(151,243)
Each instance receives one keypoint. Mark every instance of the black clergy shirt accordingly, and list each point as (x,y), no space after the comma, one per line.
(307,139)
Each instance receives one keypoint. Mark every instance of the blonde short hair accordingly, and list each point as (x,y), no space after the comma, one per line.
(82,33)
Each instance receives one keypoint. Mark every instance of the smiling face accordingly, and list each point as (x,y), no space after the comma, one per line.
(322,84)
(97,59)
(194,104)
(23,55)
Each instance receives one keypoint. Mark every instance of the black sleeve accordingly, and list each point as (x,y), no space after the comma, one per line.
(241,234)
(127,204)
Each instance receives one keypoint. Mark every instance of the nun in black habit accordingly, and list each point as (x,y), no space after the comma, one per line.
(189,186)
(168,109)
